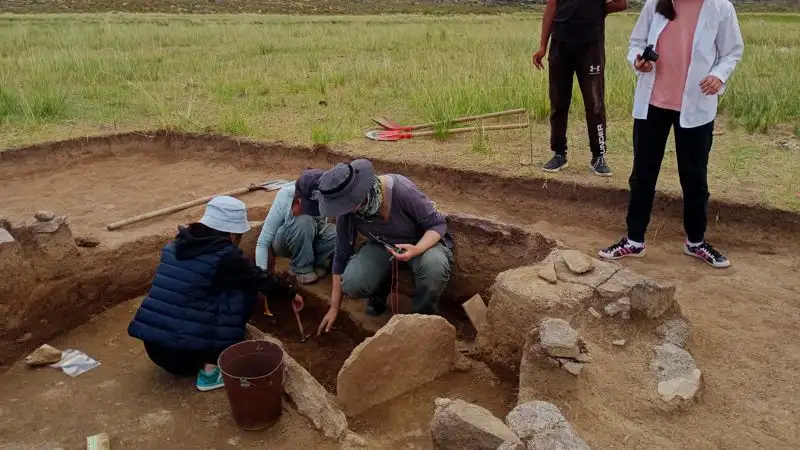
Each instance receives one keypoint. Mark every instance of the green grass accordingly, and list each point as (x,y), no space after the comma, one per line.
(319,79)
(245,73)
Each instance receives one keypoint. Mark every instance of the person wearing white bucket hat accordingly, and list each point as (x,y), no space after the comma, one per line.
(202,294)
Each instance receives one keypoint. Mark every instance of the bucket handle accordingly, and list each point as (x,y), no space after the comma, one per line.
(245,383)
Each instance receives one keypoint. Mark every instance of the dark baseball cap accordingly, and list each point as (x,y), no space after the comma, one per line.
(305,188)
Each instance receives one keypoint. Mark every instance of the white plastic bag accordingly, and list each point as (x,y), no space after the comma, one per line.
(75,362)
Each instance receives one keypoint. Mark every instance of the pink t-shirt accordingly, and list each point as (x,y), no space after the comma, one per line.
(674,48)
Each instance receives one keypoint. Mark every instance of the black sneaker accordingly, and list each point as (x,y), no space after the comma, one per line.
(707,253)
(599,166)
(556,163)
(376,306)
(623,249)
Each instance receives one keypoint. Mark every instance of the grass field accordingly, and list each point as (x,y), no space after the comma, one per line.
(318,79)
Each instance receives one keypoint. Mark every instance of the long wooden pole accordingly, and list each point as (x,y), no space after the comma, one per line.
(510,126)
(180,207)
(510,112)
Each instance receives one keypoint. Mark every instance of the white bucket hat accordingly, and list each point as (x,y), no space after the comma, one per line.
(226,214)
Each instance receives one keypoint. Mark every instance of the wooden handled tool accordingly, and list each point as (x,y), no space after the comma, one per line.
(381,135)
(267,186)
(394,126)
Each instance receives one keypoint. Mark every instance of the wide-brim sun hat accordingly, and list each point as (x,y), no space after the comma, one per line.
(226,214)
(344,188)
(306,189)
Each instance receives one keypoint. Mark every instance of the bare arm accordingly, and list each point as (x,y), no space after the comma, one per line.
(547,23)
(613,6)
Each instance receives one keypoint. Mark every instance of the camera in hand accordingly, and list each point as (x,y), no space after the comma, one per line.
(650,54)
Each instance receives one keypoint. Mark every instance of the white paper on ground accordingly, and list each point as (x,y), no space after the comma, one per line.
(75,362)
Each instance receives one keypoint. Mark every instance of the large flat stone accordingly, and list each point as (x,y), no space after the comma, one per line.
(652,298)
(674,331)
(519,299)
(620,284)
(458,425)
(409,351)
(679,379)
(600,273)
(542,426)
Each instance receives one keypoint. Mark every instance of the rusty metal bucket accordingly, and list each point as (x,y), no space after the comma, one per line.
(253,375)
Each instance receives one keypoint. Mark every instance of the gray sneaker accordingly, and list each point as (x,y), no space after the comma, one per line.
(600,167)
(556,163)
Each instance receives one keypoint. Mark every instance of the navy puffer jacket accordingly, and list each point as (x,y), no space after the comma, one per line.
(202,294)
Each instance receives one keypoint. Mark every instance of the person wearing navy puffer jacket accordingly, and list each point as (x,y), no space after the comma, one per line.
(202,294)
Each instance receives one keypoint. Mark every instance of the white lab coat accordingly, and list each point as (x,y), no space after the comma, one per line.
(716,49)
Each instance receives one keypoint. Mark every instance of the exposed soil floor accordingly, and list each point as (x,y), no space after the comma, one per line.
(746,336)
(142,407)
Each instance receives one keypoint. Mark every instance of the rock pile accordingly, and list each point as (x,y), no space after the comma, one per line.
(536,425)
(561,343)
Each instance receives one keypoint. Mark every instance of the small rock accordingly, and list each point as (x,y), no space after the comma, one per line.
(43,356)
(594,312)
(558,338)
(5,224)
(25,337)
(618,306)
(652,298)
(87,241)
(511,445)
(626,315)
(583,357)
(353,440)
(5,236)
(679,379)
(619,342)
(674,331)
(548,272)
(47,227)
(571,366)
(577,262)
(458,425)
(542,426)
(44,216)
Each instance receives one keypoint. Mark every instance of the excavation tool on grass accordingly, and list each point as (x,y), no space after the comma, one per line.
(389,135)
(394,126)
(272,185)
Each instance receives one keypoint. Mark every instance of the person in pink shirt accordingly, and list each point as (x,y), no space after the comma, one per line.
(697,45)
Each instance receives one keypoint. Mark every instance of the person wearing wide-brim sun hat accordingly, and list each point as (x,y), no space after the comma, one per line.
(202,294)
(386,209)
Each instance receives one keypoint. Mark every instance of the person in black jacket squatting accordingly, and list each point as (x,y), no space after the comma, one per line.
(202,294)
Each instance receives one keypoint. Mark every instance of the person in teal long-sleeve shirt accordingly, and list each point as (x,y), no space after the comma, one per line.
(294,229)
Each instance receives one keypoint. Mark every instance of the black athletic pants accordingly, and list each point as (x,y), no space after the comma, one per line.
(180,362)
(692,146)
(587,60)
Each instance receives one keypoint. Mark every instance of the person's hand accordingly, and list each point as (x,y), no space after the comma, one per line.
(641,65)
(711,85)
(538,57)
(410,252)
(297,303)
(328,321)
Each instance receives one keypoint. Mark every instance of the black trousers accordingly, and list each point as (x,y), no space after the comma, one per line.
(180,362)
(692,146)
(587,61)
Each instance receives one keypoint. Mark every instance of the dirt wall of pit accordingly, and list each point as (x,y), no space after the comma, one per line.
(53,285)
(50,285)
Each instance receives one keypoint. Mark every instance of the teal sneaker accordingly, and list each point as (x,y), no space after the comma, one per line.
(208,381)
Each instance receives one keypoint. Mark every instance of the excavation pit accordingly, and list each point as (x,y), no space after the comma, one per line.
(83,302)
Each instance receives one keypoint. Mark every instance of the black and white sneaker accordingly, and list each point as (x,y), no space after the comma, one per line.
(623,249)
(600,167)
(556,163)
(707,253)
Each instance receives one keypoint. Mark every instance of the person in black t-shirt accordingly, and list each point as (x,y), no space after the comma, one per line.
(577,28)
